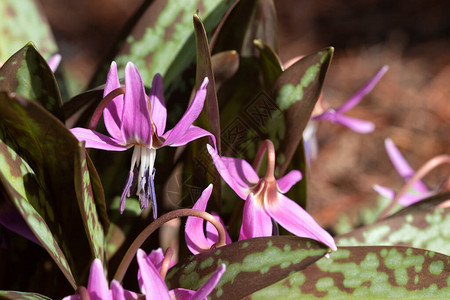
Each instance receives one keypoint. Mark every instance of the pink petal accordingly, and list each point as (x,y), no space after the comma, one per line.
(158,104)
(156,257)
(402,166)
(118,293)
(405,200)
(192,133)
(357,97)
(195,237)
(230,177)
(54,62)
(136,121)
(356,125)
(112,114)
(210,284)
(211,231)
(154,286)
(297,221)
(191,114)
(97,284)
(384,191)
(181,294)
(287,181)
(255,220)
(97,140)
(241,170)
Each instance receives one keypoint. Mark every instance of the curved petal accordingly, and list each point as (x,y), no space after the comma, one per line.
(356,125)
(191,114)
(287,181)
(211,231)
(156,257)
(405,200)
(181,294)
(97,284)
(192,133)
(136,120)
(158,105)
(402,166)
(241,190)
(357,97)
(210,284)
(297,221)
(112,114)
(154,286)
(118,293)
(255,220)
(384,191)
(195,237)
(97,140)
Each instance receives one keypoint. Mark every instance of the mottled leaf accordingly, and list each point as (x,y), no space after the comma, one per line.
(368,273)
(24,21)
(296,92)
(427,228)
(88,209)
(270,63)
(79,109)
(247,21)
(50,149)
(11,295)
(161,38)
(17,195)
(251,265)
(26,73)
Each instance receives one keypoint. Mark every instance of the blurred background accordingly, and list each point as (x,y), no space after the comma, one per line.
(410,104)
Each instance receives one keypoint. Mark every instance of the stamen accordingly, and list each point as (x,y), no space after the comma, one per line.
(143,193)
(126,192)
(153,194)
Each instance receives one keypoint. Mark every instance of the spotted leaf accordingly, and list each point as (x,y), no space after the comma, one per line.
(26,73)
(368,273)
(251,265)
(426,228)
(11,295)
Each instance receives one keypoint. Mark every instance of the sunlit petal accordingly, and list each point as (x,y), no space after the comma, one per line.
(194,234)
(287,181)
(229,177)
(356,125)
(112,113)
(191,114)
(211,232)
(136,121)
(97,284)
(255,220)
(154,286)
(192,133)
(158,104)
(97,140)
(297,221)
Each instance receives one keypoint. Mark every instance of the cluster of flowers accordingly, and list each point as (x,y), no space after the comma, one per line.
(134,119)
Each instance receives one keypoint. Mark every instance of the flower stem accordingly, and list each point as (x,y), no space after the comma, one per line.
(103,103)
(270,172)
(185,212)
(424,170)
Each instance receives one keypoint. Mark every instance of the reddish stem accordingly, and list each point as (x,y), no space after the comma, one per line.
(103,103)
(424,170)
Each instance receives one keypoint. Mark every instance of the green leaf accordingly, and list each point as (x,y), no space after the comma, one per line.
(22,191)
(296,92)
(251,264)
(26,73)
(270,63)
(24,21)
(426,228)
(247,21)
(161,38)
(85,197)
(10,295)
(79,109)
(368,273)
(50,150)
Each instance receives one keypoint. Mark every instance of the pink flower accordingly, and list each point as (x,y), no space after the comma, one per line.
(264,199)
(97,288)
(419,189)
(154,287)
(135,120)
